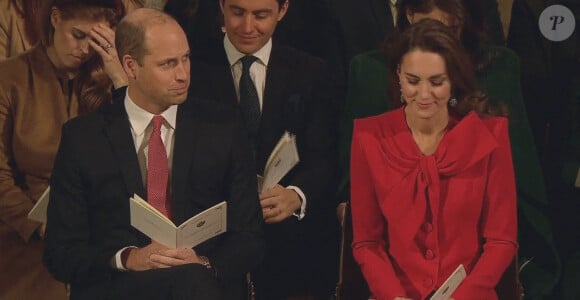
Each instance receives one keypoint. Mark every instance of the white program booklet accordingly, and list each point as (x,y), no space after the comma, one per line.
(38,211)
(196,230)
(282,159)
(445,291)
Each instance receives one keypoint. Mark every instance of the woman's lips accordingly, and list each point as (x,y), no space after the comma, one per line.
(425,105)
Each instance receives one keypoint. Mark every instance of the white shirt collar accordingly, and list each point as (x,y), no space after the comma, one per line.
(234,55)
(140,118)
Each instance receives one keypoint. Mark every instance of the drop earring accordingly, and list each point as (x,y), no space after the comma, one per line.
(453,102)
(401,91)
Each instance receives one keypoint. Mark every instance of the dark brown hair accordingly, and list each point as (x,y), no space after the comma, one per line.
(465,17)
(435,37)
(280,2)
(95,10)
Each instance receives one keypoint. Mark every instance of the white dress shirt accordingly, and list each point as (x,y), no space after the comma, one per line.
(141,128)
(394,12)
(258,74)
(257,69)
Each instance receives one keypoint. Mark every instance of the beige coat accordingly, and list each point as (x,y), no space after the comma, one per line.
(12,33)
(34,103)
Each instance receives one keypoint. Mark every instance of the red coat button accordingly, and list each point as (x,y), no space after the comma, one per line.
(428,227)
(429,254)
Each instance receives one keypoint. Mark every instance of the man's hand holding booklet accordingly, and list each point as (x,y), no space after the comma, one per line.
(282,159)
(196,230)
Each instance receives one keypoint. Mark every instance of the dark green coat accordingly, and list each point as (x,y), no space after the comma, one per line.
(367,96)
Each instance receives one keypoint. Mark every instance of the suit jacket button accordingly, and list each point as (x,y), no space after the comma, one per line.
(429,254)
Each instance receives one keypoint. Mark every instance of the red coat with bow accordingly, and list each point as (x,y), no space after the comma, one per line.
(417,217)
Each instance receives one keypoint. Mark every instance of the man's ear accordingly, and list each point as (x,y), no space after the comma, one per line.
(222,5)
(283,10)
(130,66)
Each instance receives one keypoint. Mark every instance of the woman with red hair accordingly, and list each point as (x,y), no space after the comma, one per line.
(70,72)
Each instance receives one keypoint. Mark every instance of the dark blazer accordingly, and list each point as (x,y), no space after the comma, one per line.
(296,99)
(96,171)
(536,55)
(550,70)
(363,25)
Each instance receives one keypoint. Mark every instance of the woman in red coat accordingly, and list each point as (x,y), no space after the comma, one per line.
(432,182)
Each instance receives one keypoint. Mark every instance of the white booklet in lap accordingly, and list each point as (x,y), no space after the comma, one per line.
(196,230)
(445,291)
(282,159)
(38,211)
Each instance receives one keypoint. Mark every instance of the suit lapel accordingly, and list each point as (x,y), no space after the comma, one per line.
(118,130)
(275,94)
(276,78)
(536,7)
(223,77)
(183,150)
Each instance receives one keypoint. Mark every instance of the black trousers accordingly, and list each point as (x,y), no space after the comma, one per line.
(192,281)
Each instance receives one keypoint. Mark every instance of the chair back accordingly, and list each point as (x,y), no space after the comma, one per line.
(351,283)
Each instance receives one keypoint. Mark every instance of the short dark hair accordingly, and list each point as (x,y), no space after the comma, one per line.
(280,2)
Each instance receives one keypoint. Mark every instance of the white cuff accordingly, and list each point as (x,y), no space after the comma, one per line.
(118,264)
(302,213)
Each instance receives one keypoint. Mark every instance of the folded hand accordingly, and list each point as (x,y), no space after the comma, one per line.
(279,203)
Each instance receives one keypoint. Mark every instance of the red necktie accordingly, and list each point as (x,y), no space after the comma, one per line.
(157,169)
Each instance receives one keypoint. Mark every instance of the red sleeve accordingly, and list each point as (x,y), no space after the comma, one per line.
(498,220)
(369,227)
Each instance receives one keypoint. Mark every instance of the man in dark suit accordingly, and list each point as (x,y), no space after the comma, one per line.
(363,24)
(550,76)
(150,143)
(287,90)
